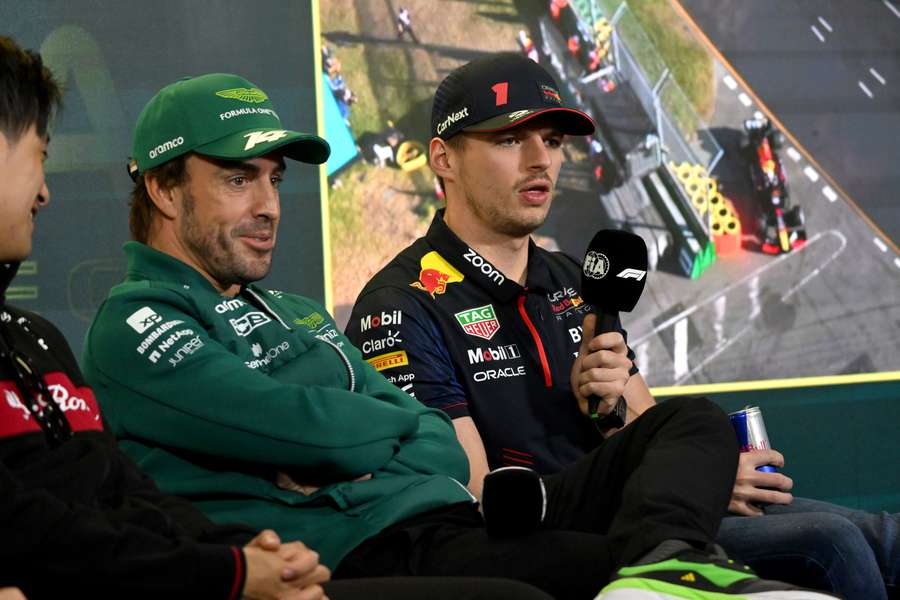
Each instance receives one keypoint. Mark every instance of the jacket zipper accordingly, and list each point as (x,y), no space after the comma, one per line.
(346,362)
(548,379)
(337,348)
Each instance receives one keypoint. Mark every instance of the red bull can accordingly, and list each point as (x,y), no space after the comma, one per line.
(751,432)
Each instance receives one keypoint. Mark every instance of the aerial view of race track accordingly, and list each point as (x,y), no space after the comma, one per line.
(766,262)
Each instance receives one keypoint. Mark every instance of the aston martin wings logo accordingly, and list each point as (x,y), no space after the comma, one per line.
(252,95)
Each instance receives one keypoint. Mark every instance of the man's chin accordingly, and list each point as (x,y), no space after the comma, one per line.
(14,254)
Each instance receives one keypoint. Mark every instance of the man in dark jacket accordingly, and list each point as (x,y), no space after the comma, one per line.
(494,331)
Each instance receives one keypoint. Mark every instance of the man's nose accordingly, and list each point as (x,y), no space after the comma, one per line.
(43,197)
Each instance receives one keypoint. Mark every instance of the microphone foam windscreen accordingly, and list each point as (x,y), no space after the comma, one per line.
(513,501)
(614,270)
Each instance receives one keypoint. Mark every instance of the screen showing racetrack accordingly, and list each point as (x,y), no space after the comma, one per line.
(756,156)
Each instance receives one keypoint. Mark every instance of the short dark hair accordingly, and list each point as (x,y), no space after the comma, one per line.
(28,93)
(141,208)
(456,142)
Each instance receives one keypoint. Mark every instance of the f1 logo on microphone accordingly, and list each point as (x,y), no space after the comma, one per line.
(635,274)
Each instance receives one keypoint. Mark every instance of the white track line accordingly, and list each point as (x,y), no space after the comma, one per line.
(829,193)
(877,76)
(881,245)
(825,24)
(746,278)
(730,82)
(892,8)
(818,34)
(745,99)
(680,363)
(811,173)
(897,262)
(784,297)
(865,89)
(795,156)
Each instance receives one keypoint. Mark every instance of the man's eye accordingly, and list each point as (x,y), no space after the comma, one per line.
(554,142)
(507,141)
(238,180)
(276,181)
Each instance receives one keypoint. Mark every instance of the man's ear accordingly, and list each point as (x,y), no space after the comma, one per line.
(163,198)
(439,159)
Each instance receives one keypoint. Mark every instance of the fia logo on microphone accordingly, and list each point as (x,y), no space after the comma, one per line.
(596,265)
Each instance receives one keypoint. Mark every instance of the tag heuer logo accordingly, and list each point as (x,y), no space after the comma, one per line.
(252,95)
(481,322)
(595,265)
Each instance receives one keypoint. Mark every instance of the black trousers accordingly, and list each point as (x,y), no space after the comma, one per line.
(668,475)
(432,588)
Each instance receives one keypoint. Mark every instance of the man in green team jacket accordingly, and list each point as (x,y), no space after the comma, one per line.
(252,403)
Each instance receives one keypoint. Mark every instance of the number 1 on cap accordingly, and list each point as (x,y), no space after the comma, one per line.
(500,92)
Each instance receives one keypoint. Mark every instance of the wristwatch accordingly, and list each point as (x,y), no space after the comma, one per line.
(614,419)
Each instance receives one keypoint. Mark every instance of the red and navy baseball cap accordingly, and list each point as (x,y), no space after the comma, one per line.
(497,92)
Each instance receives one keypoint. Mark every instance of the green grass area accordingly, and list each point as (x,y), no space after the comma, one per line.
(686,56)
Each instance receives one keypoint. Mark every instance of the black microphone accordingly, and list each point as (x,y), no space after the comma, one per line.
(613,275)
(513,501)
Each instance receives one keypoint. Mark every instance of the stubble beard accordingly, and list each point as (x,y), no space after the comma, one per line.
(218,253)
(515,225)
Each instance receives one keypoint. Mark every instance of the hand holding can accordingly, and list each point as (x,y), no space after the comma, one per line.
(751,433)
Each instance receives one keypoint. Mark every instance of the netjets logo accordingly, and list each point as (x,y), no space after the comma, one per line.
(596,265)
(252,95)
(632,274)
(245,324)
(166,146)
(254,138)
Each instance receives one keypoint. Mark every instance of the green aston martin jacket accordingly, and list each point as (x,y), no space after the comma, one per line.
(260,411)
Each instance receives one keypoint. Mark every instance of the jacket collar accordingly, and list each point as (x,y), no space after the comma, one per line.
(478,270)
(146,263)
(7,273)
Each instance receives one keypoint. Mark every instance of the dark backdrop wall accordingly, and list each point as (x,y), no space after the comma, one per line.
(112,57)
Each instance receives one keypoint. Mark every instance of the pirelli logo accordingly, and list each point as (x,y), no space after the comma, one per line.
(382,362)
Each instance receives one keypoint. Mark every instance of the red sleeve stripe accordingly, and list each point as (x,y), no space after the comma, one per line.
(238,582)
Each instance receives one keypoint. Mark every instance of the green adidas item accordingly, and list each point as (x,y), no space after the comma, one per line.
(217,115)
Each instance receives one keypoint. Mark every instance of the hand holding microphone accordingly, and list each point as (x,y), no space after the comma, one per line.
(613,275)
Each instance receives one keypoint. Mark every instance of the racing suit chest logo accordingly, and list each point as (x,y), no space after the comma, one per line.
(436,274)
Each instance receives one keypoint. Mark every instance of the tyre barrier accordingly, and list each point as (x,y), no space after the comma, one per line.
(726,228)
(667,188)
(704,193)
